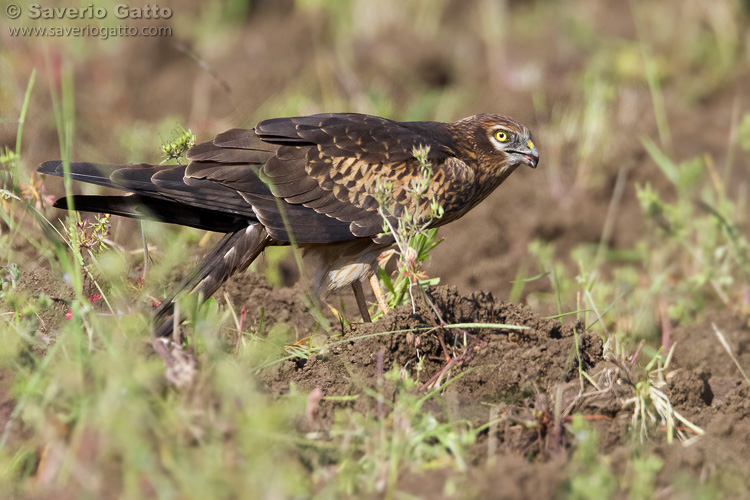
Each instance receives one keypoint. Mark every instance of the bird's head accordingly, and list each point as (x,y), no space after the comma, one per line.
(500,140)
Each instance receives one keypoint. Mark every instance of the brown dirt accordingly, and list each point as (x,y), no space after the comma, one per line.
(519,373)
(270,305)
(504,363)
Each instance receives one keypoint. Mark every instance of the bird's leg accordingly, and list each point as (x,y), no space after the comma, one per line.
(379,295)
(359,294)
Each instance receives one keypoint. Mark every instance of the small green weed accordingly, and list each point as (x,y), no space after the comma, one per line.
(176,148)
(411,231)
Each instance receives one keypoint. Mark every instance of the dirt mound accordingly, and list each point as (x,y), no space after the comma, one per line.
(496,364)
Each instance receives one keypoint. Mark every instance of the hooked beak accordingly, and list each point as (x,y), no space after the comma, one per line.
(530,157)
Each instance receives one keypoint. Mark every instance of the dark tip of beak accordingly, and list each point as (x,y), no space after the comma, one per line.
(532,158)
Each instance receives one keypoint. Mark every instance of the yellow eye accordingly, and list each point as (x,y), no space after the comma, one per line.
(501,136)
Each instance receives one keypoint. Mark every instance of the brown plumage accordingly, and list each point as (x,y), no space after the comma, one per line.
(311,181)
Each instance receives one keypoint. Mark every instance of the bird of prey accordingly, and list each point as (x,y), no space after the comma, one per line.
(309,181)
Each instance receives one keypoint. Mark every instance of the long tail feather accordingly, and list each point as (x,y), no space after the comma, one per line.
(92,173)
(144,207)
(233,253)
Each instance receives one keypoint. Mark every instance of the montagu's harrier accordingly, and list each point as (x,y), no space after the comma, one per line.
(311,181)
